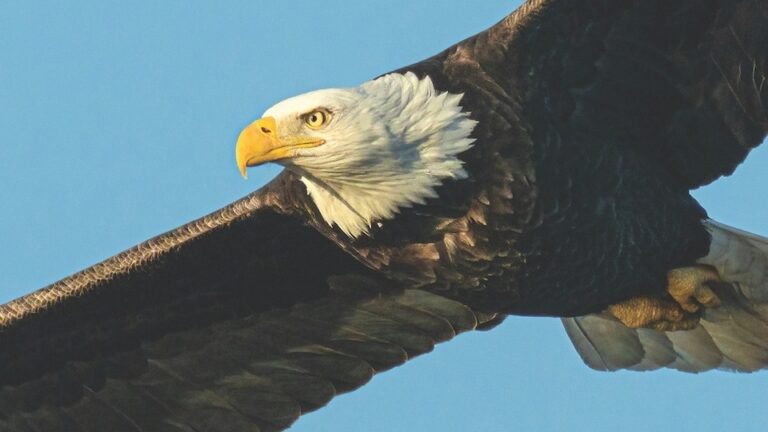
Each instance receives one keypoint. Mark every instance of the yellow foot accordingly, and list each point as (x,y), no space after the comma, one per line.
(689,292)
(653,312)
(690,287)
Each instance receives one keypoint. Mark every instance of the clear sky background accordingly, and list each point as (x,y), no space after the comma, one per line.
(118,122)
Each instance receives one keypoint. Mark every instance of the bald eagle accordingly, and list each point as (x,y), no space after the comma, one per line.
(541,167)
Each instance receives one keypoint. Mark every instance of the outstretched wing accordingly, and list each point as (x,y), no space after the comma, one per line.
(732,337)
(683,83)
(239,321)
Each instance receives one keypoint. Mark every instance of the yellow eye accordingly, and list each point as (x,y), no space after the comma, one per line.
(317,118)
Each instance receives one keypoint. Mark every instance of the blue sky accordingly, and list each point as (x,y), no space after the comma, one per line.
(118,122)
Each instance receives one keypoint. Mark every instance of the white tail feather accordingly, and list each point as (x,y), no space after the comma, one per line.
(733,336)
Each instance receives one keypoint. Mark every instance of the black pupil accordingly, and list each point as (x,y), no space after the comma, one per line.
(315,118)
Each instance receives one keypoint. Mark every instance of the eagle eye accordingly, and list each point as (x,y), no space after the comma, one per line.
(317,118)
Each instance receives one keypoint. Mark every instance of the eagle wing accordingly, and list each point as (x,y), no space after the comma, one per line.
(239,321)
(683,84)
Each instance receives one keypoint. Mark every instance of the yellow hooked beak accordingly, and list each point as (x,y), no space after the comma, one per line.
(258,143)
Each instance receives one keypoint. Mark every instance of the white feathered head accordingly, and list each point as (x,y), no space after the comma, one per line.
(367,151)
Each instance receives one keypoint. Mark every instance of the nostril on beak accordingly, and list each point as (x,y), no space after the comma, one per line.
(265,130)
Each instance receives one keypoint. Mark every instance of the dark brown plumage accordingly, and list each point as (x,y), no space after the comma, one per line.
(595,119)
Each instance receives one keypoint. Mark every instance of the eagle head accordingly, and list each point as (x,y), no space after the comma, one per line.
(364,152)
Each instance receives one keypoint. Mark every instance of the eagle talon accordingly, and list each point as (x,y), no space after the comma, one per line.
(654,313)
(690,292)
(689,287)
